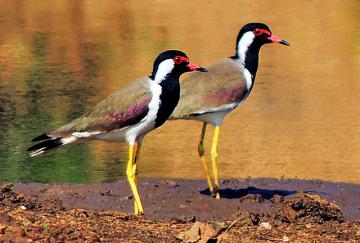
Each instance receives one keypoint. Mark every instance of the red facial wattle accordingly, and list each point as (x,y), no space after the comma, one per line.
(191,66)
(258,32)
(180,59)
(270,36)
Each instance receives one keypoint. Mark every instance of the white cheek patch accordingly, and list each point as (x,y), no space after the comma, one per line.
(164,68)
(244,43)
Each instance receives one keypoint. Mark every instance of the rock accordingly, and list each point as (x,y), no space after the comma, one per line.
(20,197)
(202,232)
(192,235)
(255,218)
(170,183)
(265,225)
(3,228)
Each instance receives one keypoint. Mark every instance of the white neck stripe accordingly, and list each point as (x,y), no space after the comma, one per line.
(243,45)
(164,68)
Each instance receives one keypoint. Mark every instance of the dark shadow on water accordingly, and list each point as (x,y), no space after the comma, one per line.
(238,193)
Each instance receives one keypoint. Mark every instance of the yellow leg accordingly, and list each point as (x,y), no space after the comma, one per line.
(201,150)
(131,175)
(214,159)
(138,151)
(137,156)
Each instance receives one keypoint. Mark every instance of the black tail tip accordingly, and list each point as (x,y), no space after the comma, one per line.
(41,137)
(46,145)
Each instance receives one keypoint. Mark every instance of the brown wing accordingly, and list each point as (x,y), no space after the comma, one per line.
(123,108)
(223,84)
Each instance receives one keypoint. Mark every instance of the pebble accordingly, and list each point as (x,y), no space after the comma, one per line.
(22,207)
(265,225)
(285,238)
(3,228)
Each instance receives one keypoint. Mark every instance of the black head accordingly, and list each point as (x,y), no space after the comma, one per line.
(174,62)
(248,43)
(255,35)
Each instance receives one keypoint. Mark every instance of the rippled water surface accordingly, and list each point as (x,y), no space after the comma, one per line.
(59,58)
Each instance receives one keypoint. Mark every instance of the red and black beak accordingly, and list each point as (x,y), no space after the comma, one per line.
(194,67)
(276,39)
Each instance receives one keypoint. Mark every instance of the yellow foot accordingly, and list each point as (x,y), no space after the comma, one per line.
(139,214)
(215,193)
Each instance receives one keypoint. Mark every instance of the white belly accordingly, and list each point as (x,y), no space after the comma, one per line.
(129,133)
(217,115)
(214,118)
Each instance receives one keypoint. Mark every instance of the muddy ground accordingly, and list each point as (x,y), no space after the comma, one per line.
(250,210)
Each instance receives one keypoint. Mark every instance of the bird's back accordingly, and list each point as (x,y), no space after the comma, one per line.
(221,86)
(122,108)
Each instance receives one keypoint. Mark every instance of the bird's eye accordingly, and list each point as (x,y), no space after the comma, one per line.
(177,60)
(257,32)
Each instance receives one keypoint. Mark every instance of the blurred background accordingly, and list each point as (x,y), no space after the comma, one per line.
(60,58)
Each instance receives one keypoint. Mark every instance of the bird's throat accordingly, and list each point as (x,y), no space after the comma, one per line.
(247,54)
(169,98)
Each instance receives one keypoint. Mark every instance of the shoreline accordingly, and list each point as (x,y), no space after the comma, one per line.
(262,209)
(163,198)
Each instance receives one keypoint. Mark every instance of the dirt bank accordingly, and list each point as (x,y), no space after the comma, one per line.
(182,210)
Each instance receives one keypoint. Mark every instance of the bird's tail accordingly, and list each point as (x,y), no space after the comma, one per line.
(48,143)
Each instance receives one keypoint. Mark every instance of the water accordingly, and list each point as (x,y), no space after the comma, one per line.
(58,59)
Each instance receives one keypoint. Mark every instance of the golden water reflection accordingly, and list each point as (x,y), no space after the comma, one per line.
(59,58)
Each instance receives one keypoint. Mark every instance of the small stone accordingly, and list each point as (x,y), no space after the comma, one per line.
(285,239)
(171,183)
(20,197)
(202,232)
(265,225)
(3,228)
(22,207)
(308,226)
(192,235)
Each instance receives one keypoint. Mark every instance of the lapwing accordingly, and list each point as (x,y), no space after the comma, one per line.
(128,114)
(209,97)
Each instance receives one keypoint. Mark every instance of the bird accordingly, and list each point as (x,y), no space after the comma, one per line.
(128,114)
(209,97)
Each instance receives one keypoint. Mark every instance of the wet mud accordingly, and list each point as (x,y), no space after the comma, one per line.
(182,210)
